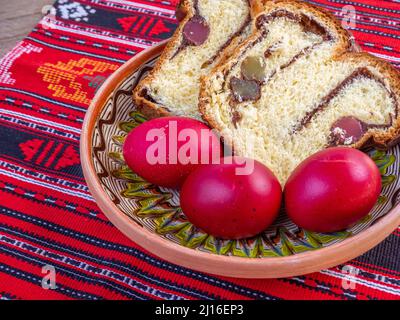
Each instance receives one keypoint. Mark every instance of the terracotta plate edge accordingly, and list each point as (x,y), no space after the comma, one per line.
(279,267)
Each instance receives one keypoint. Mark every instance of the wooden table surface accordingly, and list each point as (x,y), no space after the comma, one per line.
(17,18)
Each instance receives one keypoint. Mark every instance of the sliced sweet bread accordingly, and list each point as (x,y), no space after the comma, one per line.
(207,29)
(296,87)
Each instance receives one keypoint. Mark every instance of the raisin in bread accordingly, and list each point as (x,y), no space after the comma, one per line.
(207,29)
(296,87)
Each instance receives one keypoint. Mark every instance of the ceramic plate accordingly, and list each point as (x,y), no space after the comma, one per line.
(151,216)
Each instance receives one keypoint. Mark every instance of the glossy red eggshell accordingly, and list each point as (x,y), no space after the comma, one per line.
(332,190)
(231,206)
(172,173)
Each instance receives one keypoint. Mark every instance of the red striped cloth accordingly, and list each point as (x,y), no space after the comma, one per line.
(47,215)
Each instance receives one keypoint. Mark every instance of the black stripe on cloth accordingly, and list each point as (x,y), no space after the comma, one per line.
(115,264)
(79,52)
(319,287)
(46,179)
(8,296)
(28,105)
(255,294)
(372,276)
(26,173)
(75,274)
(126,7)
(379,33)
(107,21)
(382,270)
(337,9)
(43,130)
(63,174)
(81,42)
(382,26)
(379,46)
(46,99)
(52,202)
(29,277)
(367,6)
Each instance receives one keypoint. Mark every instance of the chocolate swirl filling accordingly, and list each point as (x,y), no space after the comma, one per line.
(347,130)
(197,30)
(250,89)
(308,24)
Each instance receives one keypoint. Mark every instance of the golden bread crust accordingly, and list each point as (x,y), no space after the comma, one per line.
(153,109)
(345,50)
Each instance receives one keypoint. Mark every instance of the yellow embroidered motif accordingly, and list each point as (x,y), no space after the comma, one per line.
(63,77)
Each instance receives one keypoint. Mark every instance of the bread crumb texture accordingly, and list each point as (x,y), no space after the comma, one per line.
(302,70)
(176,84)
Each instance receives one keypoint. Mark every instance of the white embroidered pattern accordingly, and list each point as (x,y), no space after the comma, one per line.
(74,10)
(7,62)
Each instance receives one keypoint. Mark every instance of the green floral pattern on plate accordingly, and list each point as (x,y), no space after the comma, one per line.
(283,239)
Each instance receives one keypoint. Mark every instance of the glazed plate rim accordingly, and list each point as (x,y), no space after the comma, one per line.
(230,266)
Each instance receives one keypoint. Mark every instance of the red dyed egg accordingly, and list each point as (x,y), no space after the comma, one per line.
(165,151)
(332,190)
(230,203)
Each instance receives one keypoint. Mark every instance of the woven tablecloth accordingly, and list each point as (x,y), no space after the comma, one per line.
(47,215)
